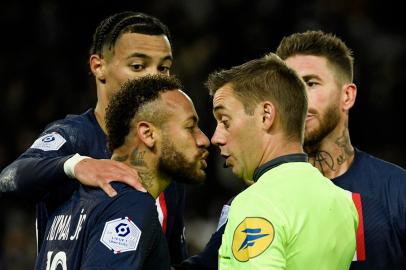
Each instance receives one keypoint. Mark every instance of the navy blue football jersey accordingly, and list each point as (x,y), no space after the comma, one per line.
(208,258)
(379,193)
(38,175)
(94,231)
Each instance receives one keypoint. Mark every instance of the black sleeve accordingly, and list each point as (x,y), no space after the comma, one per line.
(175,197)
(208,258)
(40,168)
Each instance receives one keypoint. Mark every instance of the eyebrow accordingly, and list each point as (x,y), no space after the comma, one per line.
(143,55)
(311,76)
(218,108)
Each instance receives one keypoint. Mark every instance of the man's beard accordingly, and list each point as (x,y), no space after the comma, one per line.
(328,123)
(175,165)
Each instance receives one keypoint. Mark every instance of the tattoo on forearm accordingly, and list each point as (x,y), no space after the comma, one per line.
(120,158)
(137,158)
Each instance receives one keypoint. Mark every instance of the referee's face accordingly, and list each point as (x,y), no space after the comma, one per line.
(236,133)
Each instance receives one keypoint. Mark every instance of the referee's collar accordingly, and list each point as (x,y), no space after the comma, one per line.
(299,157)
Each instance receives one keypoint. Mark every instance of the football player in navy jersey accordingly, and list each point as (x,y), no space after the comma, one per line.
(126,45)
(152,127)
(378,187)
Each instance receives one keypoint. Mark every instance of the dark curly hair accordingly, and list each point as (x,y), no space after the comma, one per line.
(111,28)
(131,102)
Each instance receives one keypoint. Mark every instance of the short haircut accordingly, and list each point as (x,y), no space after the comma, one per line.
(267,78)
(322,44)
(135,102)
(111,28)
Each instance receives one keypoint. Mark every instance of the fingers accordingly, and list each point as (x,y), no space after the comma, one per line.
(100,173)
(108,189)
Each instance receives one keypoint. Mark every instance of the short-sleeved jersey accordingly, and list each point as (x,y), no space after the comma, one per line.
(94,231)
(38,175)
(381,202)
(291,218)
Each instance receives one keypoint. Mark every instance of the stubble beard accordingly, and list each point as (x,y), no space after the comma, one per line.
(176,166)
(328,122)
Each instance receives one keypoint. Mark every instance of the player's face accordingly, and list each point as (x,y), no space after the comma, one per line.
(136,55)
(236,133)
(323,96)
(183,148)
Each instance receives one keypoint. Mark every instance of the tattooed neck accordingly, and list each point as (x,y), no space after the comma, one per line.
(147,178)
(137,158)
(334,161)
(120,158)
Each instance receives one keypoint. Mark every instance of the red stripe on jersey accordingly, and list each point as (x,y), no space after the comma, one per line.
(356,197)
(162,203)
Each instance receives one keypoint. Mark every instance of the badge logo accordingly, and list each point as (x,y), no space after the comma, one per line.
(120,235)
(252,237)
(49,142)
(223,216)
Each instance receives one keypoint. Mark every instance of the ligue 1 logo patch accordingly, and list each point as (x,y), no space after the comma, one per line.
(49,142)
(120,235)
(252,237)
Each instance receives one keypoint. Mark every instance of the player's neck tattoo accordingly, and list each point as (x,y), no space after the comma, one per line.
(147,178)
(120,158)
(137,158)
(329,161)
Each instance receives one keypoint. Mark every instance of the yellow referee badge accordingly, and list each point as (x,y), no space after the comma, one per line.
(252,237)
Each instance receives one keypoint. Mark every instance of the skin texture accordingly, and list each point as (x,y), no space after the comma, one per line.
(134,55)
(235,132)
(327,139)
(175,151)
(248,141)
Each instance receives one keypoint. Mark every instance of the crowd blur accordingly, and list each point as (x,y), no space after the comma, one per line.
(44,75)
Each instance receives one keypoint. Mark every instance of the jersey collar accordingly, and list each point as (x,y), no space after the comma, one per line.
(299,157)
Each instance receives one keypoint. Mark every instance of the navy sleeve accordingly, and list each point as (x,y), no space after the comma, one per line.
(175,199)
(208,258)
(40,168)
(127,236)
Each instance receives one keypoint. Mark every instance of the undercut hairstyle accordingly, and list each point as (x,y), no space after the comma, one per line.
(136,101)
(267,78)
(111,28)
(318,43)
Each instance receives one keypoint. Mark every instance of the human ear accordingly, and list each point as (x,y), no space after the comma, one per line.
(147,133)
(349,95)
(97,66)
(268,114)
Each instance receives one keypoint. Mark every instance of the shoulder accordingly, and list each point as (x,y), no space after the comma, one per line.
(378,166)
(72,123)
(128,201)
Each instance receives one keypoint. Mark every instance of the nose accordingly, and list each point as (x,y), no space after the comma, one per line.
(202,140)
(218,138)
(152,70)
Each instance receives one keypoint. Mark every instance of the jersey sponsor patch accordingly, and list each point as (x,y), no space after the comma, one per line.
(49,142)
(120,235)
(252,237)
(223,216)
